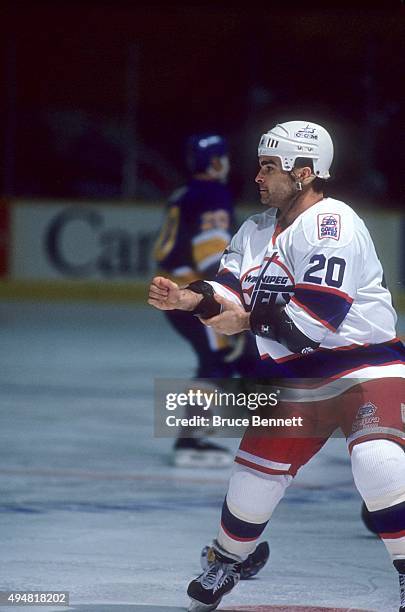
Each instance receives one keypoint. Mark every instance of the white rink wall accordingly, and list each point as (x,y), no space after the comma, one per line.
(86,249)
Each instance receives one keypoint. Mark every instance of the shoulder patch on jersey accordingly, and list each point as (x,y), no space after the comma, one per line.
(329,226)
(328,219)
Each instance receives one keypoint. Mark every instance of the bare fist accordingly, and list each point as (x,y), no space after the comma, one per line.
(164,294)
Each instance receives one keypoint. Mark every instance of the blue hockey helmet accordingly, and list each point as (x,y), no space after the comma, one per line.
(201,148)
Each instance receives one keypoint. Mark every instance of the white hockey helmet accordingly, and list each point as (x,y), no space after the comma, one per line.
(293,139)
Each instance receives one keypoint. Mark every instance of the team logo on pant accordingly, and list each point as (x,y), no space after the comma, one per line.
(365,417)
(368,410)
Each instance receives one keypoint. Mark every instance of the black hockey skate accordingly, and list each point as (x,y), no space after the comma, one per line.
(250,566)
(197,452)
(220,576)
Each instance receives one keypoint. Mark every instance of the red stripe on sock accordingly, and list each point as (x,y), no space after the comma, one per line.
(392,536)
(234,537)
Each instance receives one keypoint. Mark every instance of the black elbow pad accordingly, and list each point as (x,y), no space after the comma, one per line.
(272,322)
(208,307)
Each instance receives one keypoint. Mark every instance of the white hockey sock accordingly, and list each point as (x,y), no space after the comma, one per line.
(379,474)
(248,506)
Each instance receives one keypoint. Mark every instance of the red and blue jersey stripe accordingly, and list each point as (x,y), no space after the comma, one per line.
(327,305)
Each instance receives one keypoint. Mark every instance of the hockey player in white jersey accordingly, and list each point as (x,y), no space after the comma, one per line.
(305,278)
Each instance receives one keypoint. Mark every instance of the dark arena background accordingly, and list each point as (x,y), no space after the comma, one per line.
(97,101)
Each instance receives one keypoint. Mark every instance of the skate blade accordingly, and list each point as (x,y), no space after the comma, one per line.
(198,606)
(194,459)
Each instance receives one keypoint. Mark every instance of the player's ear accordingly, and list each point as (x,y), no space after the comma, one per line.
(303,173)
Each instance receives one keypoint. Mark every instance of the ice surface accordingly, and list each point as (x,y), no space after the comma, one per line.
(89,503)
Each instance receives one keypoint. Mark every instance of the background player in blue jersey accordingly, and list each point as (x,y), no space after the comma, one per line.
(194,235)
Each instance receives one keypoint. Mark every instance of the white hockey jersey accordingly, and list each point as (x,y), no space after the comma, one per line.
(324,267)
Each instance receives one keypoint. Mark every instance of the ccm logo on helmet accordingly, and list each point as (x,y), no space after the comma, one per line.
(307,132)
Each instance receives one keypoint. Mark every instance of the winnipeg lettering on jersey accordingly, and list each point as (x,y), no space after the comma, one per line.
(324,268)
(272,286)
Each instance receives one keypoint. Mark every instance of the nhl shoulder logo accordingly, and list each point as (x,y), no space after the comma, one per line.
(329,226)
(366,411)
